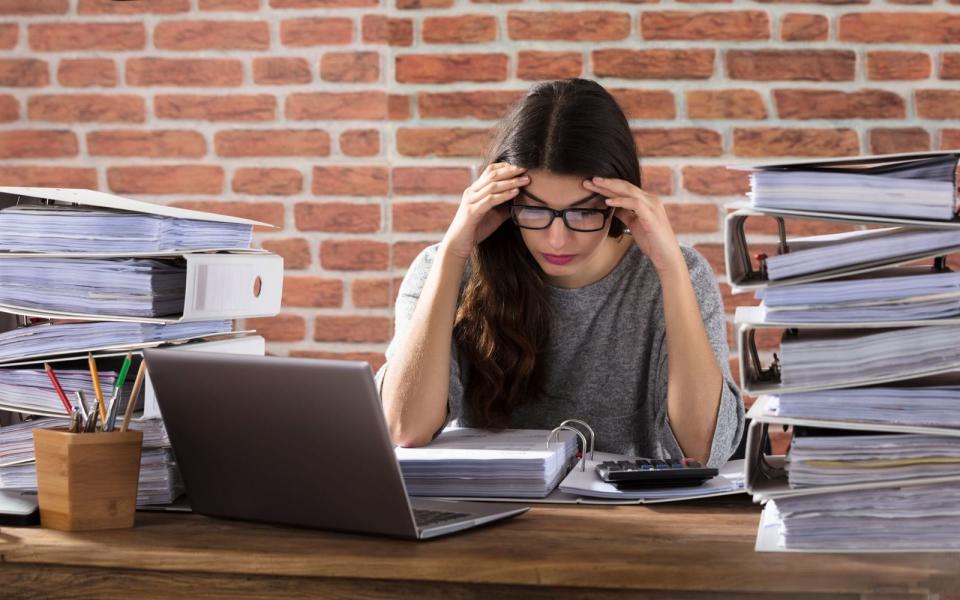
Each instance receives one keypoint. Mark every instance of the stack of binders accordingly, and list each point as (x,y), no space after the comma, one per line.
(92,279)
(867,372)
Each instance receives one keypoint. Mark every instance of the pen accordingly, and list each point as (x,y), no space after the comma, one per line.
(96,385)
(122,377)
(112,410)
(59,390)
(83,409)
(137,383)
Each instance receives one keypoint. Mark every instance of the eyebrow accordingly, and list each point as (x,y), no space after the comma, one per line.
(577,203)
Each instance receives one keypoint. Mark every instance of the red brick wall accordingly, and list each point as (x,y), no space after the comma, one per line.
(354,125)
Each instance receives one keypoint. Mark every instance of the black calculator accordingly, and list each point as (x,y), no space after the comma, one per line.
(639,473)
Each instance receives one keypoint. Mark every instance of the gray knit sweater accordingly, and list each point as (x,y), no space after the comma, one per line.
(606,360)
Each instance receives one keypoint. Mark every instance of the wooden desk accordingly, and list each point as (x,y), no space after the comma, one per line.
(684,550)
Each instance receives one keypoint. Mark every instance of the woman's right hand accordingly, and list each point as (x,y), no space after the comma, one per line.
(482,207)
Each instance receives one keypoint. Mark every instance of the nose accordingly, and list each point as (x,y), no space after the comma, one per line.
(558,234)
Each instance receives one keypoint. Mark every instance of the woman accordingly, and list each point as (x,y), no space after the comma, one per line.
(558,291)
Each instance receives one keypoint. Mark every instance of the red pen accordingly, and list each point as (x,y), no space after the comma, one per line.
(56,386)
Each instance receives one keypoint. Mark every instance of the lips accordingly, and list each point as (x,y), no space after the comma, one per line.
(559,259)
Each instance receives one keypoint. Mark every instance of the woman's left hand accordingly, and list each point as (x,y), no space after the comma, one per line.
(643,213)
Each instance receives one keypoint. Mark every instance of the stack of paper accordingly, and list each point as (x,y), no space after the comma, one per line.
(471,462)
(29,390)
(78,229)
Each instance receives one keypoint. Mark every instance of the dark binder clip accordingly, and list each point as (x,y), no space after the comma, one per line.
(583,440)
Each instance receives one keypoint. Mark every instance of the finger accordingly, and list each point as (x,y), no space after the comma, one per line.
(495,200)
(616,186)
(499,186)
(496,174)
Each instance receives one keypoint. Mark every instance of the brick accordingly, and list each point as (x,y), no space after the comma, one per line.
(25,72)
(460,29)
(350,67)
(829,104)
(9,35)
(272,142)
(338,217)
(266,181)
(281,71)
(49,176)
(9,108)
(645,104)
(725,104)
(229,5)
(211,35)
(488,104)
(422,216)
(715,181)
(83,72)
(295,252)
(375,359)
(34,7)
(265,212)
(653,64)
(657,180)
(681,141)
(111,7)
(440,141)
(890,66)
(352,329)
(409,181)
(450,68)
(379,29)
(311,4)
(412,4)
(236,107)
(775,141)
(150,144)
(354,255)
(84,108)
(167,179)
(706,25)
(66,37)
(762,225)
(350,180)
(791,65)
(540,64)
(580,26)
(371,293)
(360,142)
(949,139)
(795,27)
(950,65)
(303,33)
(318,106)
(693,218)
(938,104)
(899,27)
(281,328)
(185,71)
(901,139)
(398,107)
(405,252)
(37,144)
(317,292)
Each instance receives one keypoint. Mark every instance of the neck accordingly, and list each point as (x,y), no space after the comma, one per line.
(606,258)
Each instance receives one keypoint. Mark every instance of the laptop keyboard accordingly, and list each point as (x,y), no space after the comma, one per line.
(425,518)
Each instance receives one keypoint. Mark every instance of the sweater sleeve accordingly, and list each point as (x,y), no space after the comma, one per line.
(730,415)
(409,293)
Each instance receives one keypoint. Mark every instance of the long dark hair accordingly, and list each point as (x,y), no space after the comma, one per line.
(566,127)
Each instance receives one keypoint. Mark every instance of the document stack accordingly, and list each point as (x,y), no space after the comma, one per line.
(92,279)
(868,371)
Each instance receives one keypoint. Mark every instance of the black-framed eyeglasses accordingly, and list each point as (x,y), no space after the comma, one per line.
(577,219)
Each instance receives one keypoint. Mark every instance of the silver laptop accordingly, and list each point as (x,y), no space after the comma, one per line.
(295,441)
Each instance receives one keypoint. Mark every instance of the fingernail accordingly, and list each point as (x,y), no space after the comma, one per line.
(599,179)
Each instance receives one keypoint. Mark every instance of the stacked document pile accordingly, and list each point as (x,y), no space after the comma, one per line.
(469,462)
(93,277)
(868,370)
(160,481)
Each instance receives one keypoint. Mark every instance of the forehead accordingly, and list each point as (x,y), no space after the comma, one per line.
(558,191)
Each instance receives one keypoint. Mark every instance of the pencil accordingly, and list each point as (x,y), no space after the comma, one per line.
(96,386)
(59,390)
(137,383)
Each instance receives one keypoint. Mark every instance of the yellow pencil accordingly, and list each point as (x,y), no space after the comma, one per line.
(96,387)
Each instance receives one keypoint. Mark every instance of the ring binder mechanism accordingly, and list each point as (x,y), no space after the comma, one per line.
(583,440)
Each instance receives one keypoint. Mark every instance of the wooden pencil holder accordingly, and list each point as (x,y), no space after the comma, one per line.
(87,480)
